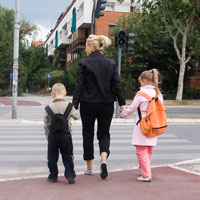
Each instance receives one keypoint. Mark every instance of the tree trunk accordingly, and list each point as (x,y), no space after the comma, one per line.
(179,93)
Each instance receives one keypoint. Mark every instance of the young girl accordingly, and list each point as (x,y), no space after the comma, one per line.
(144,145)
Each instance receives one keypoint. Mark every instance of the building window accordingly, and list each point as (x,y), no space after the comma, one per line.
(132,9)
(110,6)
(80,11)
(64,29)
(60,35)
(69,57)
(69,24)
(111,26)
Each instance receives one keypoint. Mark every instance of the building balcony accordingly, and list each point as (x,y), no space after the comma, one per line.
(51,52)
(77,45)
(64,42)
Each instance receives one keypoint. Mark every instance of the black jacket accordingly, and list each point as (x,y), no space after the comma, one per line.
(97,81)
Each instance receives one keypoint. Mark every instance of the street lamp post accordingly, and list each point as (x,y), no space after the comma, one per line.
(15,59)
(93,16)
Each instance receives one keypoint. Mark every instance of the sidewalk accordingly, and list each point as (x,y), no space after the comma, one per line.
(167,184)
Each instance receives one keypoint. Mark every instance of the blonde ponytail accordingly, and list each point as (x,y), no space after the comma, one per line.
(156,81)
(98,42)
(152,77)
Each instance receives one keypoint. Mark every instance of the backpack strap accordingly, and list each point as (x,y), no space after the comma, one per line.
(138,109)
(68,110)
(139,114)
(144,95)
(49,111)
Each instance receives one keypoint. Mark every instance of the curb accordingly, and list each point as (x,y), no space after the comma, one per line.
(174,166)
(128,121)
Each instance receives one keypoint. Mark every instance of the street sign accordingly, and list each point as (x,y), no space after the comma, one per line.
(48,75)
(11,74)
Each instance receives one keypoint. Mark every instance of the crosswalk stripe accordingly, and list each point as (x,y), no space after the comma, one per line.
(24,149)
(42,136)
(38,157)
(113,141)
(10,148)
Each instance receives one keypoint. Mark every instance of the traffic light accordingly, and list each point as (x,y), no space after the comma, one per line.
(129,42)
(100,7)
(120,39)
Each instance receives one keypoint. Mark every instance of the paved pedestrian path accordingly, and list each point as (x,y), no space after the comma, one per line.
(167,184)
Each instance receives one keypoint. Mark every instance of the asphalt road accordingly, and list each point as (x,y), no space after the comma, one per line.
(23,149)
(37,112)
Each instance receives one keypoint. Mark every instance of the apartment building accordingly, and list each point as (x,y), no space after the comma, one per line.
(73,26)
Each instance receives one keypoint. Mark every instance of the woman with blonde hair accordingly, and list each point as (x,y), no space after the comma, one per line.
(97,87)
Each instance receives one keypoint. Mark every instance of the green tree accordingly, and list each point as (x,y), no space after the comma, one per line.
(152,49)
(6,45)
(179,17)
(37,67)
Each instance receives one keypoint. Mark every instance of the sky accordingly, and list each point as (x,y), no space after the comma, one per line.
(43,13)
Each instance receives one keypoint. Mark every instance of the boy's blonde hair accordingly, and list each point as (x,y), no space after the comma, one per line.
(58,89)
(98,42)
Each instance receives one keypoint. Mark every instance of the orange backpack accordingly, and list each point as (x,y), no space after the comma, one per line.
(155,122)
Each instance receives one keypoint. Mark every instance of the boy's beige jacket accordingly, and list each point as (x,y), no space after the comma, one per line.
(58,106)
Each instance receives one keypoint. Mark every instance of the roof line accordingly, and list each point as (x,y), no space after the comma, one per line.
(61,18)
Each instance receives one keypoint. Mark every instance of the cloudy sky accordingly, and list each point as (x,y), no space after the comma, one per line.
(43,13)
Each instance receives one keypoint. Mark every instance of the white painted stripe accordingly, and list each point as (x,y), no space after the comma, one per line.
(37,157)
(112,148)
(113,141)
(77,136)
(184,170)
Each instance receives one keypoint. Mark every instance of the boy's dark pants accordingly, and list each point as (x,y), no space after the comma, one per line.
(66,150)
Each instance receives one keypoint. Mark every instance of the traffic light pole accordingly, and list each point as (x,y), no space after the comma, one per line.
(119,71)
(15,59)
(93,17)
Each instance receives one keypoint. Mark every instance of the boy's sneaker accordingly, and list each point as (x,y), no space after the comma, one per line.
(88,172)
(52,178)
(71,180)
(103,171)
(144,179)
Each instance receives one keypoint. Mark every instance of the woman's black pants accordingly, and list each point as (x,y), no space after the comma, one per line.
(103,113)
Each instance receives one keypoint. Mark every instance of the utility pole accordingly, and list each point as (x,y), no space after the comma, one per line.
(93,13)
(122,40)
(98,6)
(119,44)
(119,71)
(15,59)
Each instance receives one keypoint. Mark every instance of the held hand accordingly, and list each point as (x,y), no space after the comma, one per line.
(122,108)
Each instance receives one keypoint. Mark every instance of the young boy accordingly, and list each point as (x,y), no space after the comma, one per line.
(57,126)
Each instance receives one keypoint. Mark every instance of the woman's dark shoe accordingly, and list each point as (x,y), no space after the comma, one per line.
(52,178)
(71,180)
(103,171)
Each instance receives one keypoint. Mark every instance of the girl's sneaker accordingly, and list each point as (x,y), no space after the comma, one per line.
(88,172)
(144,179)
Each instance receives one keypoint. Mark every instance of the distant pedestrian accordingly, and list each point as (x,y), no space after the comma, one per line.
(97,87)
(144,145)
(57,126)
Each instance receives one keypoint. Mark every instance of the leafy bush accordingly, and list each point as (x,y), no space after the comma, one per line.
(191,93)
